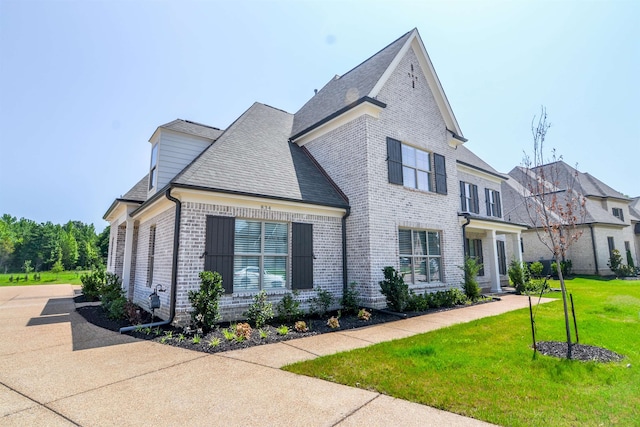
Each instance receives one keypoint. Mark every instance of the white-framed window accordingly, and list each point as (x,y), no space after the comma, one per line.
(153,169)
(493,203)
(416,168)
(474,250)
(420,255)
(469,197)
(261,255)
(618,213)
(152,255)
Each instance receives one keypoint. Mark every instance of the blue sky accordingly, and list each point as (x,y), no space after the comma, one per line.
(84,84)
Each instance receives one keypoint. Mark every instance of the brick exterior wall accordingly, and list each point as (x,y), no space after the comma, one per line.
(118,265)
(162,264)
(327,265)
(355,156)
(581,252)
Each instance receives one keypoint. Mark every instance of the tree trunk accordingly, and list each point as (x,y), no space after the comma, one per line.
(566,308)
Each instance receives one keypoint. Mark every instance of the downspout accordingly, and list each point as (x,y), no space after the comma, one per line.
(345,279)
(595,253)
(174,270)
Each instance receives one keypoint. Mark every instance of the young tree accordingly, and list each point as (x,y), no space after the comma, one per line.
(554,208)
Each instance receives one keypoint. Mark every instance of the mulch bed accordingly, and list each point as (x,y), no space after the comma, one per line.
(585,353)
(185,338)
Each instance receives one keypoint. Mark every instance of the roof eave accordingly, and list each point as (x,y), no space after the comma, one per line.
(337,114)
(262,196)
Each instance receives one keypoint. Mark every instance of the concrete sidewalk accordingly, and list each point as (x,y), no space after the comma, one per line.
(59,370)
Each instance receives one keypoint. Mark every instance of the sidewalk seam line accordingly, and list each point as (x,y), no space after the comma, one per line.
(44,405)
(356,410)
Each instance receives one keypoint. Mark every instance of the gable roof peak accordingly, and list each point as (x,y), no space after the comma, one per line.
(364,82)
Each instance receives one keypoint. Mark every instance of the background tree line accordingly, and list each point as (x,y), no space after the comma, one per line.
(47,246)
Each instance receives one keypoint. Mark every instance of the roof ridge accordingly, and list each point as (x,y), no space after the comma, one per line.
(200,124)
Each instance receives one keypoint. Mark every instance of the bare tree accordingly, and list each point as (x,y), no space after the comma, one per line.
(555,210)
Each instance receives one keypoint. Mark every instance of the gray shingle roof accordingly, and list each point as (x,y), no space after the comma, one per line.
(254,157)
(193,128)
(567,178)
(466,156)
(139,191)
(344,90)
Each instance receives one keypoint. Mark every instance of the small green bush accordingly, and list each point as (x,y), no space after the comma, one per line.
(395,290)
(418,302)
(349,301)
(536,269)
(116,308)
(260,311)
(565,266)
(321,303)
(470,284)
(289,307)
(205,302)
(92,283)
(518,275)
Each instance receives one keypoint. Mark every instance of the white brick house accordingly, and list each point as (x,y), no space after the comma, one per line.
(370,172)
(609,220)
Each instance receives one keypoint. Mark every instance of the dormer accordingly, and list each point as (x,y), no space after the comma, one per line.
(173,146)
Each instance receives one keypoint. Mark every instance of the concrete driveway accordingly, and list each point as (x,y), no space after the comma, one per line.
(57,369)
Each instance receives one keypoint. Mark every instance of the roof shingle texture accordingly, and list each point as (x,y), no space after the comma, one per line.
(254,157)
(193,128)
(567,178)
(139,191)
(344,90)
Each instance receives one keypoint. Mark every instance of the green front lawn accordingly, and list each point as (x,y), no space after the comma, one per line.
(485,369)
(46,278)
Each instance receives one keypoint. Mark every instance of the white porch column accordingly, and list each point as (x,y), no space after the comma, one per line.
(518,246)
(493,259)
(128,255)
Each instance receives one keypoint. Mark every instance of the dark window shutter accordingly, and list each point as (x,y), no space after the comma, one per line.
(463,198)
(441,173)
(488,201)
(496,196)
(475,205)
(502,259)
(220,236)
(479,256)
(394,161)
(302,256)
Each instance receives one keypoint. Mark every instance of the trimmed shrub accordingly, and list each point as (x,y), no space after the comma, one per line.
(394,289)
(205,302)
(289,307)
(321,303)
(470,284)
(261,311)
(349,301)
(518,275)
(536,269)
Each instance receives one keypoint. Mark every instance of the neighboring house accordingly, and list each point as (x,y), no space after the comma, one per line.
(608,222)
(370,172)
(634,214)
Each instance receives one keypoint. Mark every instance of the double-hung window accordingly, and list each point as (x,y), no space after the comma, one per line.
(474,250)
(469,197)
(260,255)
(420,255)
(493,203)
(617,212)
(153,171)
(416,168)
(152,255)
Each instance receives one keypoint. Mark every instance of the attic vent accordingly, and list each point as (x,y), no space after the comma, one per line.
(315,91)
